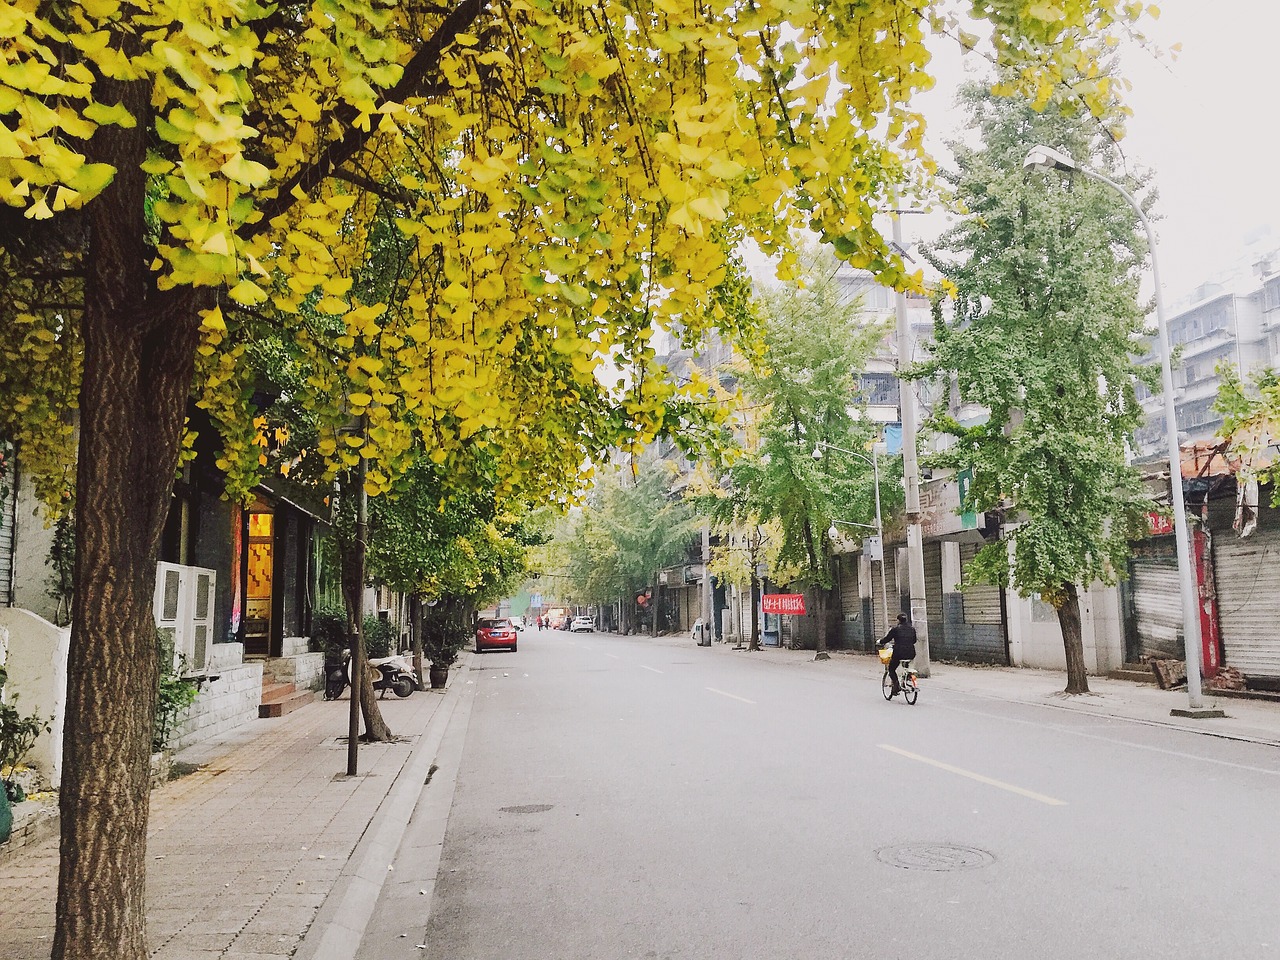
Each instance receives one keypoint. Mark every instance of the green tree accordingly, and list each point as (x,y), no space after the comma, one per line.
(629,528)
(798,390)
(177,179)
(1251,419)
(1045,326)
(456,551)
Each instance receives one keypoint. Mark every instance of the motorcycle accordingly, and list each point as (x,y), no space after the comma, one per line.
(391,673)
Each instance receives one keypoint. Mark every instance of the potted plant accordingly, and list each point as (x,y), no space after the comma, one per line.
(446,629)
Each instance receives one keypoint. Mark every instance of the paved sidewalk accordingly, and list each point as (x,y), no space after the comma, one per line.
(1251,720)
(244,851)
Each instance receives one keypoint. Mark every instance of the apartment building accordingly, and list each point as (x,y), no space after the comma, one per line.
(1233,321)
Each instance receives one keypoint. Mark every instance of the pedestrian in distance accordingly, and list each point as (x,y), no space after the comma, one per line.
(903,638)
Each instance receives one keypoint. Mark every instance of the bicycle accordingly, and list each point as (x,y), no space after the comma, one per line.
(906,677)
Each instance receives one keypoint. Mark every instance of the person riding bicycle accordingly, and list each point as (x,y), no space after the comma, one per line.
(903,638)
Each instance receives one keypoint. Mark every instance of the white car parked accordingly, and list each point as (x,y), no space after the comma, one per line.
(582,625)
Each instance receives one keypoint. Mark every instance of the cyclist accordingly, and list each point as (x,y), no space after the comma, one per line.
(903,638)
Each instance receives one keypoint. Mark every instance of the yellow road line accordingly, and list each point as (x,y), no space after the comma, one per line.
(976,776)
(732,696)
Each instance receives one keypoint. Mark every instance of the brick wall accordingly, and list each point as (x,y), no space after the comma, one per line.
(222,705)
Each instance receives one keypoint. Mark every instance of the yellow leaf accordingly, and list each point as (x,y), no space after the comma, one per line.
(247,293)
(248,172)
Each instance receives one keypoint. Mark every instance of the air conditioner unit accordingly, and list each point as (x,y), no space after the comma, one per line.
(183,605)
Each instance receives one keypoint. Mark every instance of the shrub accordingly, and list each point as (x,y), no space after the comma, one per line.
(175,693)
(379,637)
(329,632)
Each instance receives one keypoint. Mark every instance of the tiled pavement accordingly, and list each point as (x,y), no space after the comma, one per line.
(242,852)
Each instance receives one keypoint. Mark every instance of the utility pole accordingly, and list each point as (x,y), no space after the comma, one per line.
(708,600)
(911,473)
(357,663)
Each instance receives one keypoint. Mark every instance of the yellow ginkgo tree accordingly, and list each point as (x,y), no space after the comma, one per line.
(558,178)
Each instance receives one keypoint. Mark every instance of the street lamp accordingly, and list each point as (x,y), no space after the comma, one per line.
(1046,158)
(879,527)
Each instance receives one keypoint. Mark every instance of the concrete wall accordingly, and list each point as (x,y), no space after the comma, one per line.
(32,540)
(37,666)
(1035,639)
(303,669)
(222,704)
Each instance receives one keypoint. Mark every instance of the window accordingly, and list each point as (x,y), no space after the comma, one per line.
(879,389)
(1271,295)
(1198,414)
(1217,317)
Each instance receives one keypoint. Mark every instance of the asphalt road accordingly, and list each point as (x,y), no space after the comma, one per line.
(628,797)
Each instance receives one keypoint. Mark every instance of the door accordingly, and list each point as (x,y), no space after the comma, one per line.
(259,580)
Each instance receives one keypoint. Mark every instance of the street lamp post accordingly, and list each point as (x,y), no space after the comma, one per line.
(1046,158)
(879,527)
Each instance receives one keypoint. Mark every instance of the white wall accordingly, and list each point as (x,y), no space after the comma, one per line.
(37,666)
(32,539)
(1035,639)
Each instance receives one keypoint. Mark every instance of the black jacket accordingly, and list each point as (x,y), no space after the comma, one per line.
(903,638)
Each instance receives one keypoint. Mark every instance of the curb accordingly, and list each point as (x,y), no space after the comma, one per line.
(340,924)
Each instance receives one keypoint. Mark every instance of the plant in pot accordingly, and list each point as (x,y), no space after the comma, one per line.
(445,631)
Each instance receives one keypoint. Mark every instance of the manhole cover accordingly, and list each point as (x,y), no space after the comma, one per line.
(527,808)
(934,856)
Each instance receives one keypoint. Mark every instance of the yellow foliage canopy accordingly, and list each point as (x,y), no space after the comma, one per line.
(457,214)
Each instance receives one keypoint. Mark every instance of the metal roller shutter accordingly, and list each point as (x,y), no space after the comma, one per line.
(850,601)
(981,600)
(1157,606)
(1248,580)
(891,582)
(933,593)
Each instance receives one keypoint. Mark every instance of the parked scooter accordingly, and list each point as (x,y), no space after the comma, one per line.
(391,673)
(399,665)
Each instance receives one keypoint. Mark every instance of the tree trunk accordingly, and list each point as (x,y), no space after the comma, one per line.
(1072,639)
(139,352)
(415,635)
(820,601)
(375,728)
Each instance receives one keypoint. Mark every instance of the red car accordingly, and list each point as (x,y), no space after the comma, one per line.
(495,635)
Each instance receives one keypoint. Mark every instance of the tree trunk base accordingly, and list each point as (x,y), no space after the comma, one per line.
(822,655)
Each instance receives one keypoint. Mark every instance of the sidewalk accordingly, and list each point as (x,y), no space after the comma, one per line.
(244,851)
(1250,720)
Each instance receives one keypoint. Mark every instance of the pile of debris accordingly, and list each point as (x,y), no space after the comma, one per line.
(1228,678)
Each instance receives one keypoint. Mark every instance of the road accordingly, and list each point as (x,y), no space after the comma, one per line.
(631,797)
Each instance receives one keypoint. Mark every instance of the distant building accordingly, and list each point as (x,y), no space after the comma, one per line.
(1235,321)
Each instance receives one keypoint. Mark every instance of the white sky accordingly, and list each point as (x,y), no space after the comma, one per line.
(1207,123)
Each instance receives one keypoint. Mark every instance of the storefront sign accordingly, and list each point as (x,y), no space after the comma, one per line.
(1158,524)
(782,603)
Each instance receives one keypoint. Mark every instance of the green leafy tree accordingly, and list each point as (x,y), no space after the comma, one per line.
(1251,419)
(455,551)
(797,391)
(1045,327)
(629,528)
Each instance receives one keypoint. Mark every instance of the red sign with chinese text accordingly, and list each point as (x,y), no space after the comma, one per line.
(782,603)
(1159,524)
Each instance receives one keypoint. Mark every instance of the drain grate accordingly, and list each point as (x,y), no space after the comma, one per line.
(938,857)
(527,808)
